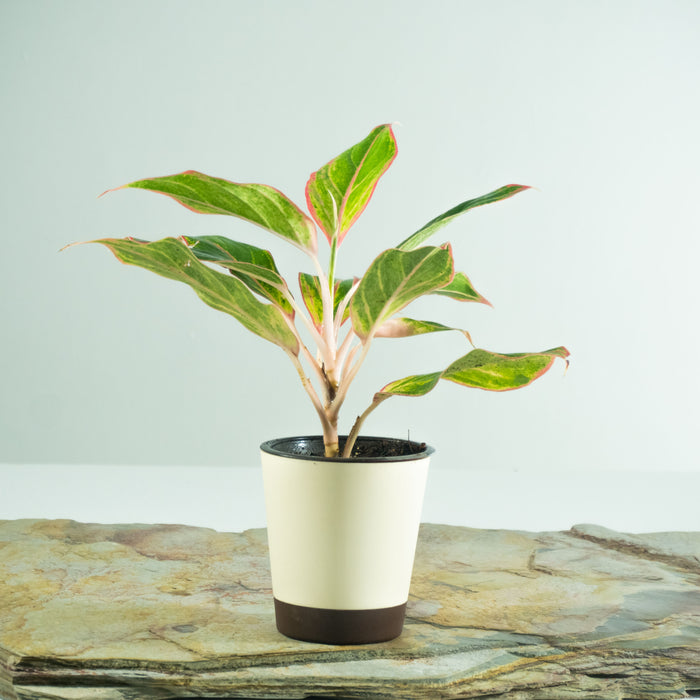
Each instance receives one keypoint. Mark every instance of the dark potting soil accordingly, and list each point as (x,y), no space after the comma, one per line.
(385,448)
(365,447)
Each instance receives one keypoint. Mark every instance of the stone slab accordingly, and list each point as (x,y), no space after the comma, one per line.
(119,612)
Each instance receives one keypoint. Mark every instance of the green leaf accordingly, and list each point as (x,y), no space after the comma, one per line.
(422,235)
(406,327)
(395,279)
(491,371)
(171,258)
(339,192)
(259,204)
(342,288)
(481,369)
(415,385)
(311,294)
(255,267)
(461,289)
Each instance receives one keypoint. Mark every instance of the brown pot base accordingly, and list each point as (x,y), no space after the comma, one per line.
(339,626)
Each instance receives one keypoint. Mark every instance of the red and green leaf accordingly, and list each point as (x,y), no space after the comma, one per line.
(253,266)
(259,204)
(461,289)
(415,385)
(481,369)
(311,294)
(338,193)
(171,258)
(422,234)
(406,327)
(394,280)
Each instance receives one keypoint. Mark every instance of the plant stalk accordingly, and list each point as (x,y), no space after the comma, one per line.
(352,437)
(338,321)
(351,372)
(327,328)
(331,269)
(318,338)
(330,440)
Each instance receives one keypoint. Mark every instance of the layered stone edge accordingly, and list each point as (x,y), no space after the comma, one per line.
(596,677)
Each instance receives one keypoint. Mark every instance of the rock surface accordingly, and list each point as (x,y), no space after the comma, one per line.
(119,612)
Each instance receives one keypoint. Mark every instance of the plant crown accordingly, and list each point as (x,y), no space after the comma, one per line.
(342,316)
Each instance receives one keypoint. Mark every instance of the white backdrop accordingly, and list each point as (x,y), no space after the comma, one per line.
(596,104)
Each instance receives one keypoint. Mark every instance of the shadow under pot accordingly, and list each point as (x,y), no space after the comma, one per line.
(342,536)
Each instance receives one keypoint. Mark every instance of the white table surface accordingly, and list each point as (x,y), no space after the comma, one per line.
(231,499)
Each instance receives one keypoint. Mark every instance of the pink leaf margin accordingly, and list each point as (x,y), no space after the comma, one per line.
(312,179)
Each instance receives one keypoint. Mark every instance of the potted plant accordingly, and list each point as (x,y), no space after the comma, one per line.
(343,511)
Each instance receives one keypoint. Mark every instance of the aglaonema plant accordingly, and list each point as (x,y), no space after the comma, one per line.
(342,317)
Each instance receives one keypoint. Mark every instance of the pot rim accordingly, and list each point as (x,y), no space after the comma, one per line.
(274,447)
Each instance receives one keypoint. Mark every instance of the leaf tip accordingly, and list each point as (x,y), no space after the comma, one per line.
(561,351)
(77,243)
(565,354)
(112,189)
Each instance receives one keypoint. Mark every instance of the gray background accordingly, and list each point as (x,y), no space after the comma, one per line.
(596,104)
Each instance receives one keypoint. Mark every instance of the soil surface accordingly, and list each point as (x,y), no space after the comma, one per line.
(384,447)
(365,447)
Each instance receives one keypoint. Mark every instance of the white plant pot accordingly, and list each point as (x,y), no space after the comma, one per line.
(342,536)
